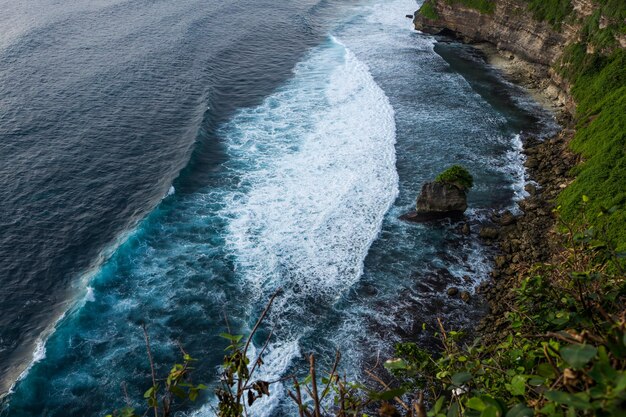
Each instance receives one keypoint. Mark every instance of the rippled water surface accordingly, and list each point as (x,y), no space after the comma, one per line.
(172,163)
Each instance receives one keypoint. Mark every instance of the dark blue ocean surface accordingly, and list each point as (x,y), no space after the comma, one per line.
(173,163)
(102,104)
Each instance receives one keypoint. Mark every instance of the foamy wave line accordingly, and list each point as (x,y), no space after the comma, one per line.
(517,170)
(315,172)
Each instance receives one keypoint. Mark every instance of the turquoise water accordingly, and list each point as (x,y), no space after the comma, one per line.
(300,189)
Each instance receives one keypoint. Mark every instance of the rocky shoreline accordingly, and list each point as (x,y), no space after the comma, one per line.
(529,238)
(524,240)
(532,77)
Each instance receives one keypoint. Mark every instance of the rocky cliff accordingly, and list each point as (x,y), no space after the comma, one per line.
(512,28)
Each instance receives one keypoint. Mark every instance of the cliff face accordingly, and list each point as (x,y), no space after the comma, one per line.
(511,28)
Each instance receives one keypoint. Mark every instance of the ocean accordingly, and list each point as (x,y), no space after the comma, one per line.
(174,163)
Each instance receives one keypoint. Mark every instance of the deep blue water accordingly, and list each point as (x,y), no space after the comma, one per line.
(172,163)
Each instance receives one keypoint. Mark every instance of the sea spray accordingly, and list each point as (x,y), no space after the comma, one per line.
(320,177)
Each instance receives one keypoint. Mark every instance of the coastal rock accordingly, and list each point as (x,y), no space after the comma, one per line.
(440,199)
(507,218)
(446,197)
(510,26)
(465,296)
(488,233)
(500,261)
(531,189)
(452,291)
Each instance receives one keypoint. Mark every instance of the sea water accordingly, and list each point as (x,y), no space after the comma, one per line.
(240,149)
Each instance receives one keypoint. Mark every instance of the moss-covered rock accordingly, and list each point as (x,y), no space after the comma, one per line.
(444,197)
(456,175)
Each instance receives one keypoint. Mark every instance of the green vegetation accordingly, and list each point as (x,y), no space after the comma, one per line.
(563,355)
(599,88)
(458,176)
(428,10)
(564,352)
(483,6)
(166,395)
(551,11)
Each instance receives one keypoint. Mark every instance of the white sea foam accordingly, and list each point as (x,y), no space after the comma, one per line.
(89,295)
(517,171)
(316,175)
(323,150)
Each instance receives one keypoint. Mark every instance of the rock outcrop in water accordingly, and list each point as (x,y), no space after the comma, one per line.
(441,199)
(444,197)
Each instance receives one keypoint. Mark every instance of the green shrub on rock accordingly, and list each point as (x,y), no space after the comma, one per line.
(458,176)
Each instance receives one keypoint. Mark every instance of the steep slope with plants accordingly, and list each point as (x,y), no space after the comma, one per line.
(554,343)
(557,330)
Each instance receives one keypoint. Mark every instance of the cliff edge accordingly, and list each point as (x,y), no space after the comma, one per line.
(512,27)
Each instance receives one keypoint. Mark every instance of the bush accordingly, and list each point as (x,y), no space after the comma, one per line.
(563,354)
(551,11)
(428,10)
(600,90)
(458,176)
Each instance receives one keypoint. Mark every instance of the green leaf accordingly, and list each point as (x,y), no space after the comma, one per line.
(517,385)
(395,364)
(620,383)
(545,370)
(579,400)
(127,412)
(603,373)
(388,395)
(232,337)
(150,392)
(536,380)
(461,378)
(179,392)
(577,356)
(453,411)
(520,410)
(438,405)
(475,403)
(491,411)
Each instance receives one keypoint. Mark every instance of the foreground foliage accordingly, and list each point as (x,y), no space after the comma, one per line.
(565,354)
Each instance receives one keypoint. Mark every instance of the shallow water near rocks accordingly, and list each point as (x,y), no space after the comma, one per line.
(285,163)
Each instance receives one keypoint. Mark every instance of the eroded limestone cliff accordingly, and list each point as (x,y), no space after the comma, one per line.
(511,27)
